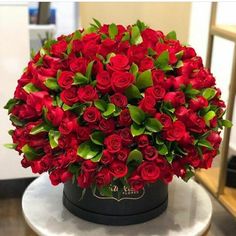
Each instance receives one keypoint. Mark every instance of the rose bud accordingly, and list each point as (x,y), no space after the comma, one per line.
(167,175)
(178,169)
(125,119)
(215,139)
(175,98)
(103,177)
(92,115)
(119,63)
(55,115)
(89,166)
(121,81)
(59,48)
(119,100)
(55,177)
(65,79)
(198,103)
(118,169)
(107,126)
(113,143)
(107,157)
(103,82)
(84,180)
(136,182)
(147,104)
(165,120)
(142,140)
(175,132)
(66,176)
(158,92)
(150,153)
(87,93)
(149,171)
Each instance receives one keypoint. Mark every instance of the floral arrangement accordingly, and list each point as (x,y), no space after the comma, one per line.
(114,105)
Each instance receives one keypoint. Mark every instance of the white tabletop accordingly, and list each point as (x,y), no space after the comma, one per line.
(188,213)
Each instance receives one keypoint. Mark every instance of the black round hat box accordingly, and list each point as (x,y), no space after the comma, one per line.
(131,207)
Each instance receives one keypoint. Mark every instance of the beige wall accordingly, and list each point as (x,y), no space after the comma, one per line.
(164,16)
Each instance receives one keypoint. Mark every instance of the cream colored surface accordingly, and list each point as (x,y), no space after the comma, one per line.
(14,54)
(164,16)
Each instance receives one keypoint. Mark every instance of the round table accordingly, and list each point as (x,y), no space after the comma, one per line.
(188,213)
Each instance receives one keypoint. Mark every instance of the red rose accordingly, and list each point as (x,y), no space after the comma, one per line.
(113,143)
(103,82)
(179,81)
(70,96)
(186,140)
(167,175)
(89,166)
(158,92)
(66,176)
(107,157)
(149,171)
(67,125)
(78,65)
(150,153)
(87,93)
(198,103)
(151,37)
(119,100)
(175,98)
(106,47)
(107,126)
(158,77)
(122,155)
(92,115)
(178,168)
(121,81)
(54,115)
(136,182)
(83,133)
(77,46)
(119,63)
(188,53)
(118,169)
(176,131)
(165,120)
(195,123)
(90,49)
(55,177)
(84,180)
(126,136)
(125,119)
(148,104)
(103,177)
(66,79)
(59,48)
(136,53)
(93,37)
(142,141)
(146,64)
(215,139)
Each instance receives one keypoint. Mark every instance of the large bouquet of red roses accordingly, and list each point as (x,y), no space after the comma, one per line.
(116,105)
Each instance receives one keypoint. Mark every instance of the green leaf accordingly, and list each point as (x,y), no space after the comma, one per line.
(132,92)
(97,23)
(108,57)
(43,52)
(204,143)
(134,69)
(97,137)
(97,158)
(169,158)
(189,174)
(162,149)
(137,130)
(112,30)
(126,37)
(106,191)
(10,145)
(52,84)
(11,103)
(159,141)
(39,128)
(151,52)
(144,80)
(101,105)
(179,54)
(163,60)
(208,116)
(10,132)
(135,155)
(30,88)
(76,35)
(89,70)
(80,79)
(111,108)
(153,125)
(88,150)
(136,37)
(179,64)
(141,25)
(16,121)
(29,152)
(137,114)
(227,123)
(190,92)
(54,136)
(171,35)
(209,93)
